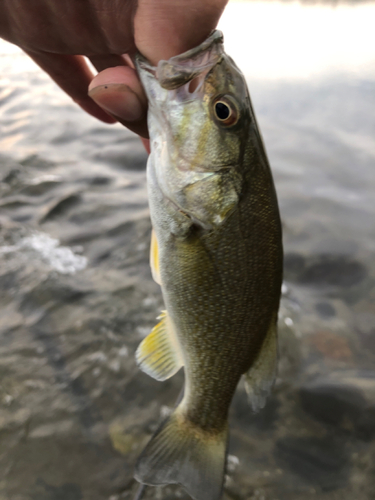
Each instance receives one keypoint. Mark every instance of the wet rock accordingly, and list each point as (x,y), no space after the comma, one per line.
(98,180)
(294,265)
(320,462)
(330,345)
(48,290)
(36,161)
(366,329)
(12,176)
(325,310)
(345,399)
(324,270)
(68,491)
(333,271)
(337,246)
(59,207)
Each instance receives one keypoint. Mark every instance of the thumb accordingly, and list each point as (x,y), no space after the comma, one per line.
(119,92)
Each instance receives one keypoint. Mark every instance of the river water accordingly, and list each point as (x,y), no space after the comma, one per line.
(76,293)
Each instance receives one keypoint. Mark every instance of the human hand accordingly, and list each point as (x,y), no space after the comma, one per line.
(57,35)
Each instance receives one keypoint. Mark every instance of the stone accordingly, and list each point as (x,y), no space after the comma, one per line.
(320,462)
(343,398)
(325,310)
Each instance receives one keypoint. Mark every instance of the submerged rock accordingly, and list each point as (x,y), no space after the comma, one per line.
(343,398)
(320,462)
(324,270)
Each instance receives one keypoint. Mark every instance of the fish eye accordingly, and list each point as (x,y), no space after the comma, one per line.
(222,110)
(225,111)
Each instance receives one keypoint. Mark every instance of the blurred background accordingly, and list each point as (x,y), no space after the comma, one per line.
(77,297)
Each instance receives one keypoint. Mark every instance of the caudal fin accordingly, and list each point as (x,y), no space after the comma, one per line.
(180,453)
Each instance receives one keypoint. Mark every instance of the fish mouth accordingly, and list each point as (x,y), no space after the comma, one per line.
(181,69)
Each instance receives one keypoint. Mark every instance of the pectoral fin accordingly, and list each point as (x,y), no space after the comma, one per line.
(154,259)
(158,354)
(261,376)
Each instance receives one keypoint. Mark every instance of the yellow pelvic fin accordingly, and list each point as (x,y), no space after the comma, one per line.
(261,376)
(158,354)
(154,259)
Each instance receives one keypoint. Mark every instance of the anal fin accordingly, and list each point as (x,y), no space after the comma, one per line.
(261,376)
(158,354)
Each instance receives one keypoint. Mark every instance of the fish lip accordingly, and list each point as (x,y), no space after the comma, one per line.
(216,36)
(181,69)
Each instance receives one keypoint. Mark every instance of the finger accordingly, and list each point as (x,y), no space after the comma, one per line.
(120,93)
(165,28)
(107,61)
(146,143)
(73,75)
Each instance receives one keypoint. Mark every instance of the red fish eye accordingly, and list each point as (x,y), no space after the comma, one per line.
(225,111)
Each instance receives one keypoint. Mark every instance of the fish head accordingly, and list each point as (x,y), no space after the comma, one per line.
(198,119)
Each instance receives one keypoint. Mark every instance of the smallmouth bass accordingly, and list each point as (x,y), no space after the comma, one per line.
(216,252)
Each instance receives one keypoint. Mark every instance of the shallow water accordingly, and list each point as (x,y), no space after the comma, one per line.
(76,294)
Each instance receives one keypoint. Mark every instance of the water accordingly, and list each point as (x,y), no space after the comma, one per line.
(77,295)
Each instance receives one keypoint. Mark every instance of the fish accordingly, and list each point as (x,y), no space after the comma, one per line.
(216,251)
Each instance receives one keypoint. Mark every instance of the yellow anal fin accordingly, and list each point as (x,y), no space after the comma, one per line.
(261,376)
(158,354)
(154,259)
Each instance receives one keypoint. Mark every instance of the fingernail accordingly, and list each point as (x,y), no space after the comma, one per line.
(118,100)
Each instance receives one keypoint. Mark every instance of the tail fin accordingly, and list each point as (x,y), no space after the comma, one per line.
(180,453)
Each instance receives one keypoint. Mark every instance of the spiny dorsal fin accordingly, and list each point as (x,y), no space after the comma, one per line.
(158,354)
(154,259)
(261,376)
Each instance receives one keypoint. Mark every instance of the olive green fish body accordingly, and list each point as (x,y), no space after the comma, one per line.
(218,257)
(222,290)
